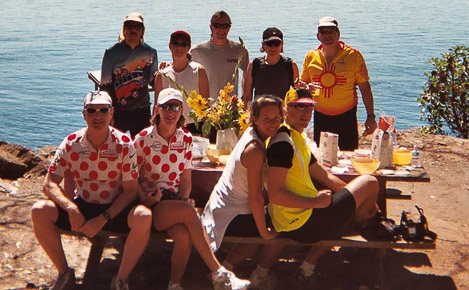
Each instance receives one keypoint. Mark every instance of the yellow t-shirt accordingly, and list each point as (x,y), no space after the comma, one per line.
(298,181)
(338,82)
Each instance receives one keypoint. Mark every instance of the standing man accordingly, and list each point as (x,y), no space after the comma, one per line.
(220,55)
(297,209)
(103,164)
(336,69)
(127,70)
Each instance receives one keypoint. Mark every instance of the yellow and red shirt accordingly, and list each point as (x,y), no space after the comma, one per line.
(338,80)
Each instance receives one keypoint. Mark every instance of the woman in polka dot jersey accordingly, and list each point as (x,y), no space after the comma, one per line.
(164,159)
(236,205)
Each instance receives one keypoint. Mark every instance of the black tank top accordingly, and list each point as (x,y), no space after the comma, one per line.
(272,79)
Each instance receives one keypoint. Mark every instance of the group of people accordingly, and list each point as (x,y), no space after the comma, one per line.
(141,182)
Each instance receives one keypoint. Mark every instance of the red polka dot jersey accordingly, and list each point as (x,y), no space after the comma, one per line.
(161,164)
(98,174)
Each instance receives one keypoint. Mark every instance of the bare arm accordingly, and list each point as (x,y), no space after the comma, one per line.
(296,73)
(367,96)
(204,87)
(247,85)
(276,178)
(53,191)
(129,193)
(319,173)
(253,159)
(158,86)
(185,186)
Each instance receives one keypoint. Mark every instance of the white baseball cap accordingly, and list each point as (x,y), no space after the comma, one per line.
(97,98)
(169,94)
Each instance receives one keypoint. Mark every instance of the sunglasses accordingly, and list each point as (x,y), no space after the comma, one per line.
(271,43)
(179,44)
(131,26)
(327,30)
(170,107)
(92,111)
(302,107)
(220,25)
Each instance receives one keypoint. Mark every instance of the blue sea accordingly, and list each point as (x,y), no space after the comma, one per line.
(47,46)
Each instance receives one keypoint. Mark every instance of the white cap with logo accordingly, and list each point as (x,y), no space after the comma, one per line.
(97,98)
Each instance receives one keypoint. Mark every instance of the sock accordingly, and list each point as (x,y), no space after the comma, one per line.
(262,272)
(227,266)
(308,269)
(173,285)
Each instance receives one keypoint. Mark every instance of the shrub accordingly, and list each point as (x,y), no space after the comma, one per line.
(445,100)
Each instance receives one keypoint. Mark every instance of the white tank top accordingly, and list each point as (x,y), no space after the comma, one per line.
(230,196)
(188,78)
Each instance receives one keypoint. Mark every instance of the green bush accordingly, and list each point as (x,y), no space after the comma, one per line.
(445,100)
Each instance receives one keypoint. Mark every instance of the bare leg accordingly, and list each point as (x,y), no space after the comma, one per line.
(171,212)
(181,251)
(139,221)
(365,192)
(315,253)
(269,254)
(44,214)
(241,252)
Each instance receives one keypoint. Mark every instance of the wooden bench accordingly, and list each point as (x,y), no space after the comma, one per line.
(355,241)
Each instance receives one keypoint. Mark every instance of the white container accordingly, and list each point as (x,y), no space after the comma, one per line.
(328,148)
(382,148)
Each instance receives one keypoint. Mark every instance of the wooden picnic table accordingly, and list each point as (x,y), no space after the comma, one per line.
(205,176)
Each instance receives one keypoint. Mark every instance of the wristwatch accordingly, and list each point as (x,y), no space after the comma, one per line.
(371,116)
(106,215)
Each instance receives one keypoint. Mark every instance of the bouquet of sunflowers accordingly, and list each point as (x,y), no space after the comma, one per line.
(227,111)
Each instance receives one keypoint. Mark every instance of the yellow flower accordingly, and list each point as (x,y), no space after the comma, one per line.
(228,88)
(213,116)
(243,125)
(197,103)
(221,110)
(240,105)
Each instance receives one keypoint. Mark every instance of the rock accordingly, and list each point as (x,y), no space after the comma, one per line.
(17,160)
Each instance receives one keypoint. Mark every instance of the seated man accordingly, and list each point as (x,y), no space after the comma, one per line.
(103,164)
(297,209)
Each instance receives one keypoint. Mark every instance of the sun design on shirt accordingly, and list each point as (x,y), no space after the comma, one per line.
(328,79)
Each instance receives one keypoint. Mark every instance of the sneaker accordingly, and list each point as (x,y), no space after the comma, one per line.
(172,286)
(298,280)
(268,282)
(119,284)
(225,279)
(65,280)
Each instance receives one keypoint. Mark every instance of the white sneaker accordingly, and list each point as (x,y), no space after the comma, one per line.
(267,282)
(225,279)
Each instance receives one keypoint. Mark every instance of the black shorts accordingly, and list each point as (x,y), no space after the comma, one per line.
(345,125)
(244,225)
(89,210)
(133,121)
(326,223)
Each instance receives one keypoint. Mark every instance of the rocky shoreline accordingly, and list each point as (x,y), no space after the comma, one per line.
(444,199)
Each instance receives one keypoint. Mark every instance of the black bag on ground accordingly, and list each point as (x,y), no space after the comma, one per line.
(415,231)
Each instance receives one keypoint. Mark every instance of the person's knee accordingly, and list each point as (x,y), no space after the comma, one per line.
(141,218)
(371,184)
(42,210)
(180,235)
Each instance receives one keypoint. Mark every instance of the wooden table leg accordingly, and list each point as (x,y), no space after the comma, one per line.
(96,251)
(383,268)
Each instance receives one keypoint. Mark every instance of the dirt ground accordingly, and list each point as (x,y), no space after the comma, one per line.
(445,200)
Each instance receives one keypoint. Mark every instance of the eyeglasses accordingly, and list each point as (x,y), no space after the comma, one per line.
(327,30)
(170,107)
(271,43)
(302,107)
(179,44)
(92,111)
(221,25)
(135,26)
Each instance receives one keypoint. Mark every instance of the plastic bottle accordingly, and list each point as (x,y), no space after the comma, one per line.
(416,161)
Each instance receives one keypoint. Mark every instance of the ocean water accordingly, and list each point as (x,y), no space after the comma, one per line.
(47,46)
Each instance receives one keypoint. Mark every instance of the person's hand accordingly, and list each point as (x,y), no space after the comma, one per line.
(269,233)
(190,201)
(93,226)
(323,199)
(76,220)
(164,64)
(312,87)
(152,197)
(370,126)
